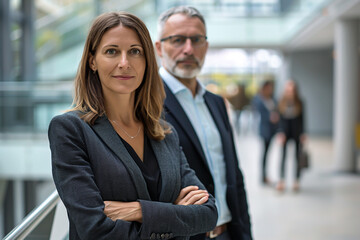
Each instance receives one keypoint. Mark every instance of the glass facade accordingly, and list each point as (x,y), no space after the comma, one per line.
(57,31)
(42,41)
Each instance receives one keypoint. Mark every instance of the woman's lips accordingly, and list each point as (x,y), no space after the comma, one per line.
(123,77)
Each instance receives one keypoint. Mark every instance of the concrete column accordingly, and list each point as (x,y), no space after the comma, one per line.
(346,94)
(19,201)
(3,186)
(28,61)
(27,54)
(6,55)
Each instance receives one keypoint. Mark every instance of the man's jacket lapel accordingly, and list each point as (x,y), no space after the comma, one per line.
(173,107)
(216,113)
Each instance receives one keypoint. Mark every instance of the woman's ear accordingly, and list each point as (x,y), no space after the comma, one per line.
(92,63)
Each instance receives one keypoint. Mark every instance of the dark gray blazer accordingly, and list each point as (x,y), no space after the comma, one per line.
(240,225)
(91,165)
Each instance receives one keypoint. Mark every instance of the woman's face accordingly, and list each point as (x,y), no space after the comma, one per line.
(290,90)
(120,61)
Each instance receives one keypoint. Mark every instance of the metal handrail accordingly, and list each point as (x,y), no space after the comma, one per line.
(33,218)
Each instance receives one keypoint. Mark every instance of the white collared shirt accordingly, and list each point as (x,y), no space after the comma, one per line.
(208,134)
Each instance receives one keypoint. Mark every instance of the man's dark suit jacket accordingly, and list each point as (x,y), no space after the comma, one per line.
(91,165)
(240,227)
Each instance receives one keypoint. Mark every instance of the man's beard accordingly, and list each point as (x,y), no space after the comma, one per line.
(186,73)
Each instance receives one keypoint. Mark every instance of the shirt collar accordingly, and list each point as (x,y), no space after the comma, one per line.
(176,86)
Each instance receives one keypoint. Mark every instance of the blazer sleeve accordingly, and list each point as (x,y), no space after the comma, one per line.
(244,213)
(180,220)
(75,183)
(240,185)
(302,119)
(282,124)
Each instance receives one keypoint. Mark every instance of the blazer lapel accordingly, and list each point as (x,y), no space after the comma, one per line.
(106,132)
(174,108)
(169,171)
(216,114)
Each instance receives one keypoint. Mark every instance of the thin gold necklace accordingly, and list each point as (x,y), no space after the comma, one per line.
(132,137)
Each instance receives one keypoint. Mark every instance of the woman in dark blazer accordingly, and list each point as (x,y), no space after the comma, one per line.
(117,166)
(291,110)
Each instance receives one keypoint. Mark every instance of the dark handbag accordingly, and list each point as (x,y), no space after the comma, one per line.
(304,159)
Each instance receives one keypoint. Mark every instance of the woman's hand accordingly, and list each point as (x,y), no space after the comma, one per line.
(282,138)
(127,211)
(274,117)
(192,195)
(303,138)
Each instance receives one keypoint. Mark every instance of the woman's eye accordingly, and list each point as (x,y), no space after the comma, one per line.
(135,51)
(110,51)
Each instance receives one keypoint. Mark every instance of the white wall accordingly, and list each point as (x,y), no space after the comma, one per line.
(313,70)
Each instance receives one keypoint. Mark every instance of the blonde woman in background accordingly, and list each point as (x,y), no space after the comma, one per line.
(291,109)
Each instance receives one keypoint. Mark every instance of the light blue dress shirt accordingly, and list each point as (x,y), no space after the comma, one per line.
(208,134)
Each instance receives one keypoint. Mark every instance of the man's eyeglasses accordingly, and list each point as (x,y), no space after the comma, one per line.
(179,40)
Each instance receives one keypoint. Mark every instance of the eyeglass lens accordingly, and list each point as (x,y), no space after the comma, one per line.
(180,40)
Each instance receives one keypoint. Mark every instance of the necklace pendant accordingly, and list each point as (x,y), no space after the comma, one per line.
(127,134)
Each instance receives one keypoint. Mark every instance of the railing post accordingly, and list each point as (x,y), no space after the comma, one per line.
(32,220)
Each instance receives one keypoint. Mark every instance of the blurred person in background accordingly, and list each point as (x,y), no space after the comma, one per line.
(291,109)
(265,104)
(239,100)
(201,120)
(117,166)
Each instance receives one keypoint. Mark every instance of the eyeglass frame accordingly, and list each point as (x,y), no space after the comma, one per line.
(186,37)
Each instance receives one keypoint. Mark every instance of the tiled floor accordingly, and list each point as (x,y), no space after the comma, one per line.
(326,208)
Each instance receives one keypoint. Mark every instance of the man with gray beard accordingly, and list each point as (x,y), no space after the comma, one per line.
(201,120)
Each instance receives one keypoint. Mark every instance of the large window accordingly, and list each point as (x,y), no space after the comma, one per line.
(224,69)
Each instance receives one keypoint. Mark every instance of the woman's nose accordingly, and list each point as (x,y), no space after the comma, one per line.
(123,61)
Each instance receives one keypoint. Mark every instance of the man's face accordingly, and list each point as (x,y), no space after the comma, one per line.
(268,90)
(183,58)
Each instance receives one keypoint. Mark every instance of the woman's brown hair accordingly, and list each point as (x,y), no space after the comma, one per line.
(295,99)
(149,96)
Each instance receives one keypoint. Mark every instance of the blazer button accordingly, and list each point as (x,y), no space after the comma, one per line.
(152,236)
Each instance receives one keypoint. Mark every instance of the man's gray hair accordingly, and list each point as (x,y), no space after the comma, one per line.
(186,10)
